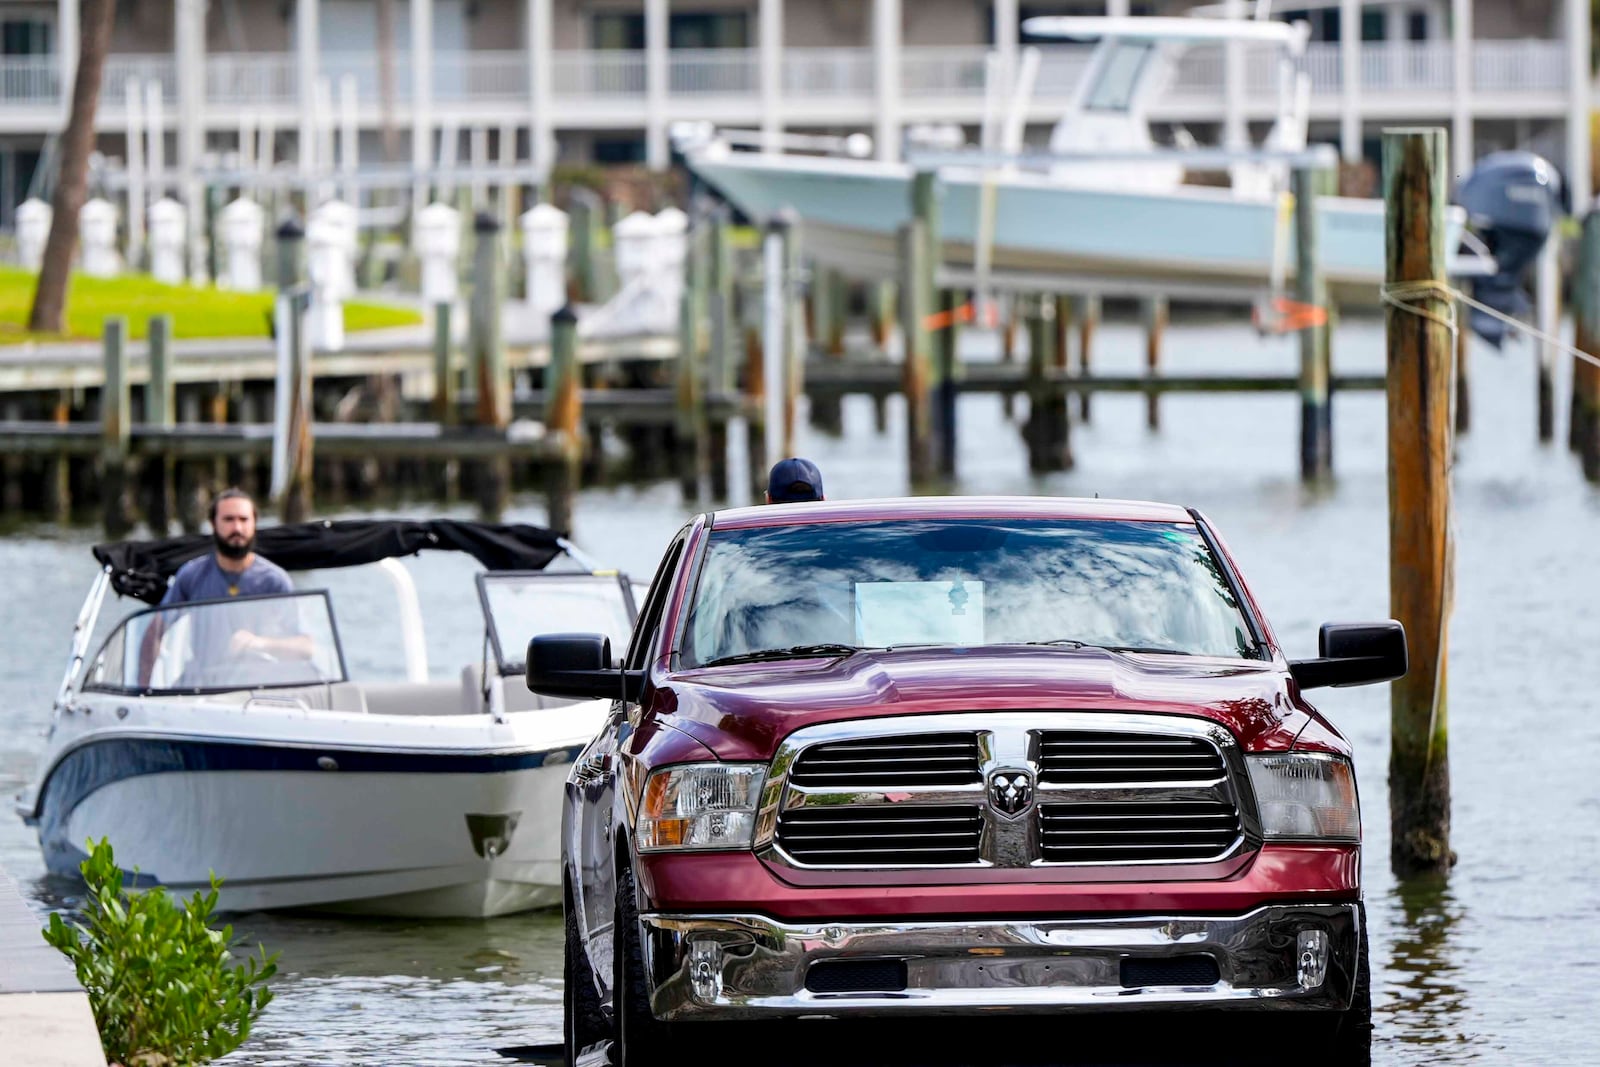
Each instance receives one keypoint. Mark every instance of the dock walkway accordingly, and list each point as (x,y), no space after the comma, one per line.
(44,1012)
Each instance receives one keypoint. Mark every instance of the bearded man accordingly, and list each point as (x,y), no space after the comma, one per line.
(232,570)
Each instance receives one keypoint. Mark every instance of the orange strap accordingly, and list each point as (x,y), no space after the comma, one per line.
(967,312)
(1291,315)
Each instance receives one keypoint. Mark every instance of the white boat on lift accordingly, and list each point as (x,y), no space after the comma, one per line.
(1104,209)
(303,788)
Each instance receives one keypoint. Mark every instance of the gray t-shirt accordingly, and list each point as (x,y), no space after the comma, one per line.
(211,661)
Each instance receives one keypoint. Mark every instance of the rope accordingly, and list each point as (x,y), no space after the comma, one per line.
(1406,296)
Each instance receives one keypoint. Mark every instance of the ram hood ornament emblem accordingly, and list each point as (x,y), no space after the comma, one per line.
(1010,792)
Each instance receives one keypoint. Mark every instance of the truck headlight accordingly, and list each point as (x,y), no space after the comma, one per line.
(700,806)
(1309,796)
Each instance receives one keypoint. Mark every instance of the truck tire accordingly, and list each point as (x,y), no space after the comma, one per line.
(640,1039)
(583,1023)
(1352,1033)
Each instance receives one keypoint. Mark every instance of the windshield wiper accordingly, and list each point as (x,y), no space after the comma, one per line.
(792,652)
(1068,642)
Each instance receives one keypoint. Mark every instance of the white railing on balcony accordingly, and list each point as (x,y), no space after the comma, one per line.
(251,78)
(576,75)
(1408,66)
(927,71)
(810,73)
(119,68)
(1519,66)
(30,80)
(481,76)
(713,71)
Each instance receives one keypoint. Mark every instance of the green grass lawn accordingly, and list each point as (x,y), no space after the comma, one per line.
(196,312)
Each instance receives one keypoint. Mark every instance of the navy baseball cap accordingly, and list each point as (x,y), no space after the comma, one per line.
(794,480)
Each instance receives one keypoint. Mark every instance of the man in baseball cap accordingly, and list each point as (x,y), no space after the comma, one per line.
(793,481)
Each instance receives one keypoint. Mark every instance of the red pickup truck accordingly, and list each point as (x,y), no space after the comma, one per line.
(960,755)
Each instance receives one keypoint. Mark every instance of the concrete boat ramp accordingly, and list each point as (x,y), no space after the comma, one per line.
(45,1020)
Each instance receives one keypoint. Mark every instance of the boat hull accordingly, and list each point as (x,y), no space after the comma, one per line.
(1190,237)
(330,824)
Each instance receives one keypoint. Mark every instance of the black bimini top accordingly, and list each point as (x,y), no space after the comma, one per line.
(142,568)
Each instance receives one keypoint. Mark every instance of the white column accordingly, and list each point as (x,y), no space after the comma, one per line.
(771,41)
(189,48)
(1117,8)
(655,81)
(1578,147)
(67,48)
(1350,80)
(421,98)
(886,75)
(1235,134)
(1005,38)
(1462,151)
(306,27)
(541,51)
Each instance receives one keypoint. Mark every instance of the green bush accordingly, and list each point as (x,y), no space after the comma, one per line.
(157,974)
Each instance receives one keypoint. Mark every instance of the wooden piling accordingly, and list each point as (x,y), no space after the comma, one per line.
(587,217)
(11,466)
(493,409)
(1088,327)
(116,418)
(1585,375)
(946,366)
(1311,292)
(828,303)
(1008,348)
(161,410)
(563,416)
(882,300)
(755,393)
(916,381)
(1047,430)
(689,419)
(444,368)
(1420,555)
(720,363)
(294,503)
(1547,297)
(1154,311)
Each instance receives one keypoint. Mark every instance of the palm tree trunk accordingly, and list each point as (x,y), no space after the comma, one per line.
(72,181)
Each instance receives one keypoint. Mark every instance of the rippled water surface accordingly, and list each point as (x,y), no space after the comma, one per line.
(1499,964)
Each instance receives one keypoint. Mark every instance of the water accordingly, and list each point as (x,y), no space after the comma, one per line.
(1497,964)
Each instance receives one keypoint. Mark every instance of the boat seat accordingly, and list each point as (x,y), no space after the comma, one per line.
(416,698)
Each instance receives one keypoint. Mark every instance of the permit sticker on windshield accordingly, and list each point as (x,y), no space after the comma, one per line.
(919,613)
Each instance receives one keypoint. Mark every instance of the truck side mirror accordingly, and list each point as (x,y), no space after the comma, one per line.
(1354,653)
(578,665)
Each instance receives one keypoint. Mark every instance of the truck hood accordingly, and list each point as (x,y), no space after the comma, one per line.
(742,712)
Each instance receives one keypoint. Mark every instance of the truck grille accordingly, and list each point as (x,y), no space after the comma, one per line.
(1176,832)
(900,835)
(890,762)
(1096,759)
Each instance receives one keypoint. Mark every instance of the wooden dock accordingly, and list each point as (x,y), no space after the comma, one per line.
(44,1013)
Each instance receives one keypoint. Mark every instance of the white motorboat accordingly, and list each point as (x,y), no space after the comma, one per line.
(299,786)
(1104,209)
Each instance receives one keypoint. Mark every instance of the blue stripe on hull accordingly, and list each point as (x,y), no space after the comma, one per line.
(99,763)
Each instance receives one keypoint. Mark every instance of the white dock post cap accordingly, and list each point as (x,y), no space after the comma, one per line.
(633,238)
(544,228)
(438,230)
(242,224)
(33,230)
(168,233)
(672,221)
(97,235)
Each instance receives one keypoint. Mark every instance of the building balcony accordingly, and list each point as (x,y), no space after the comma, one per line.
(823,81)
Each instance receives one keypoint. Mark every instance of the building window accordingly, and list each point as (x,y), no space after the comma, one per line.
(614,150)
(625,30)
(1417,26)
(24,37)
(1324,22)
(1374,26)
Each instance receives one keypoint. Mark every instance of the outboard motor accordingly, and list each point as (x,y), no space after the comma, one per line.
(1513,200)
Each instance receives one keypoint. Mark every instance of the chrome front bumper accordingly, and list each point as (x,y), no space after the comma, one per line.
(749,967)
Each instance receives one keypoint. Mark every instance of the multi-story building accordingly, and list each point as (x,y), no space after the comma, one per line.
(601,80)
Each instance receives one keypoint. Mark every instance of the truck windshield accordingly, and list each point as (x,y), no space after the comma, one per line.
(1144,586)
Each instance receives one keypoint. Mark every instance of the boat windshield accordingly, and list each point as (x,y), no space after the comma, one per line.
(218,645)
(1130,586)
(518,606)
